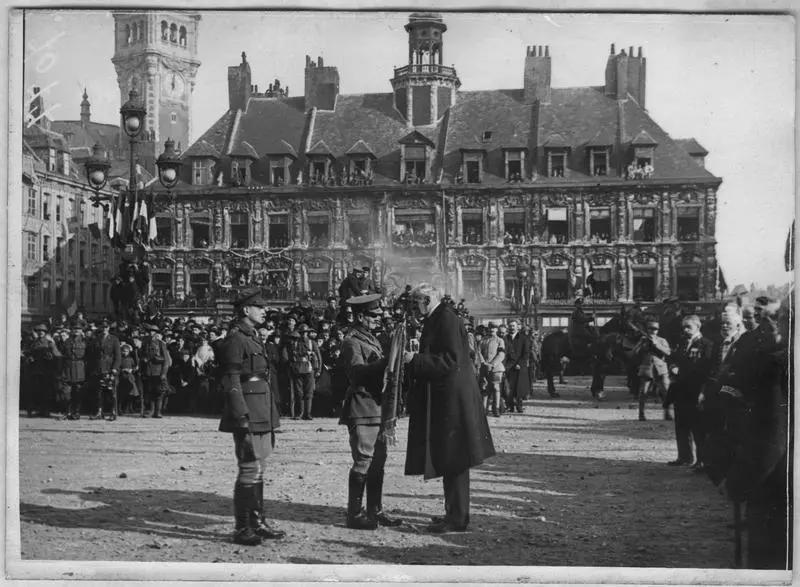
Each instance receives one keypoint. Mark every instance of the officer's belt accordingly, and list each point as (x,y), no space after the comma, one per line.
(254,377)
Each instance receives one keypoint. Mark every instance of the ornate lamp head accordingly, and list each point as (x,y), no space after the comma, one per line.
(133,113)
(169,165)
(97,167)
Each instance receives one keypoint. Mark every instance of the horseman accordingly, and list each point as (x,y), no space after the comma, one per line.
(581,334)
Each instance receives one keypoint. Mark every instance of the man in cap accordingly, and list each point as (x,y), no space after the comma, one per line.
(518,352)
(651,351)
(493,351)
(251,414)
(107,359)
(300,356)
(364,364)
(155,364)
(73,369)
(45,357)
(580,333)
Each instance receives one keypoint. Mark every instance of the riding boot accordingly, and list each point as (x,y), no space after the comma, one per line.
(258,522)
(307,409)
(356,518)
(157,407)
(244,504)
(374,498)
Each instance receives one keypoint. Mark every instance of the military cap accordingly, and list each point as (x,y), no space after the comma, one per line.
(358,269)
(365,303)
(491,325)
(303,328)
(579,300)
(40,328)
(251,296)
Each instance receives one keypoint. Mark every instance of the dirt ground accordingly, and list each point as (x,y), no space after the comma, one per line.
(575,482)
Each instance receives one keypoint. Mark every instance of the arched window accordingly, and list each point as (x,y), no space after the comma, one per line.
(183,36)
(173,33)
(164,31)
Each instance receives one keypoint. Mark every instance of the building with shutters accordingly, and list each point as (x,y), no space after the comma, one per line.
(498,194)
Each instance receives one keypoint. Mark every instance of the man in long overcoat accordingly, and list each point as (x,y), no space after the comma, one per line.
(518,350)
(447,431)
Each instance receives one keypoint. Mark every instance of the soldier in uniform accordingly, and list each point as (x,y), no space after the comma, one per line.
(353,285)
(251,413)
(108,357)
(44,364)
(73,370)
(364,364)
(300,357)
(580,333)
(155,365)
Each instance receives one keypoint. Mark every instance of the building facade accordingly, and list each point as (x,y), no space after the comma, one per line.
(505,197)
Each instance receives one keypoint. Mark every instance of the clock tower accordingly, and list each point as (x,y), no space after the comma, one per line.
(155,52)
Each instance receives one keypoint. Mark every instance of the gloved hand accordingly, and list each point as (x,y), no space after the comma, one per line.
(245,451)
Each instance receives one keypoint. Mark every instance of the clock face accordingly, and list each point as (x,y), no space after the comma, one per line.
(173,85)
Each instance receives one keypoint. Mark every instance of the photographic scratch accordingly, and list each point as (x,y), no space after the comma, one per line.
(551,21)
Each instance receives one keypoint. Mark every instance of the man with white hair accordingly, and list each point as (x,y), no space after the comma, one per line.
(447,431)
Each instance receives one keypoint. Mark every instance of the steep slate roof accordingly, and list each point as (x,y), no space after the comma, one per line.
(360,148)
(643,138)
(216,136)
(691,146)
(244,149)
(320,148)
(86,136)
(269,122)
(202,148)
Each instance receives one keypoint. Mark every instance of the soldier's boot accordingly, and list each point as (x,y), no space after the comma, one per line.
(292,412)
(244,504)
(374,499)
(307,409)
(157,407)
(357,519)
(259,523)
(97,416)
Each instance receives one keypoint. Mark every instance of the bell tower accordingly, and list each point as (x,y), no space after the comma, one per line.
(425,88)
(155,52)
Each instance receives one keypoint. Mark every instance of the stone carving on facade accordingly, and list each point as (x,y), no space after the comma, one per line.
(622,278)
(472,201)
(420,203)
(511,200)
(473,260)
(200,262)
(556,199)
(557,260)
(602,258)
(644,258)
(161,262)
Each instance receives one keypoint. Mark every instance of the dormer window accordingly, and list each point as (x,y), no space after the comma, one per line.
(598,161)
(201,171)
(416,151)
(472,166)
(642,164)
(514,164)
(240,171)
(320,164)
(556,163)
(51,162)
(487,135)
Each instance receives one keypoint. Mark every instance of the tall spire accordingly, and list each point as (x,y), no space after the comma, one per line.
(86,113)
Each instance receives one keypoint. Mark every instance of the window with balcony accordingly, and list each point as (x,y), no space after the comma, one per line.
(162,283)
(318,231)
(601,288)
(688,224)
(415,164)
(359,231)
(31,245)
(163,232)
(278,231)
(600,225)
(688,283)
(472,227)
(318,285)
(278,173)
(45,248)
(515,164)
(201,232)
(200,286)
(414,230)
(644,284)
(472,280)
(644,224)
(557,227)
(556,163)
(240,172)
(598,161)
(240,230)
(557,284)
(318,170)
(514,224)
(510,282)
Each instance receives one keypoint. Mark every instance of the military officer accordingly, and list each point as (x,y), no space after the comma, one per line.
(364,365)
(108,357)
(73,370)
(251,413)
(155,363)
(44,357)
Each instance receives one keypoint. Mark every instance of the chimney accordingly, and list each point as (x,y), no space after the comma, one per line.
(322,85)
(86,113)
(536,82)
(626,75)
(239,86)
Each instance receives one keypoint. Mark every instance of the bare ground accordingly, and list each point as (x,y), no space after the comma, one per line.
(575,482)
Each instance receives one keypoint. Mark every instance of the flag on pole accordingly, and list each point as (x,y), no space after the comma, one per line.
(111,217)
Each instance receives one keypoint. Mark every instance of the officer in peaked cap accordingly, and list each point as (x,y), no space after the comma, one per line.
(364,365)
(251,414)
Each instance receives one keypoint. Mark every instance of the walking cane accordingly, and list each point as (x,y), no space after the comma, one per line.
(737,532)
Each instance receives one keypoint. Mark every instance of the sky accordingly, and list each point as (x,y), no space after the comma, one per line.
(726,80)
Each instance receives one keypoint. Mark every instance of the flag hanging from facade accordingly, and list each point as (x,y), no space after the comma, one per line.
(111,217)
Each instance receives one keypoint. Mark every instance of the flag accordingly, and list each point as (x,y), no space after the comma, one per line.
(153,229)
(111,215)
(73,307)
(589,283)
(118,202)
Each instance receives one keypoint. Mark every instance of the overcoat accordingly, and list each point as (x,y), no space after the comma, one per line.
(518,352)
(364,364)
(694,362)
(73,367)
(447,429)
(108,353)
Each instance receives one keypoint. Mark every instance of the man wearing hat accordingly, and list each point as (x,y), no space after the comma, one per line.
(73,369)
(364,365)
(580,333)
(45,357)
(107,359)
(155,364)
(301,358)
(251,414)
(651,352)
(493,353)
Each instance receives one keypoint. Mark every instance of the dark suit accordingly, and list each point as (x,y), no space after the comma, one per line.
(518,381)
(447,430)
(694,361)
(108,357)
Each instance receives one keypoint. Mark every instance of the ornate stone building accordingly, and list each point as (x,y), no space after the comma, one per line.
(504,196)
